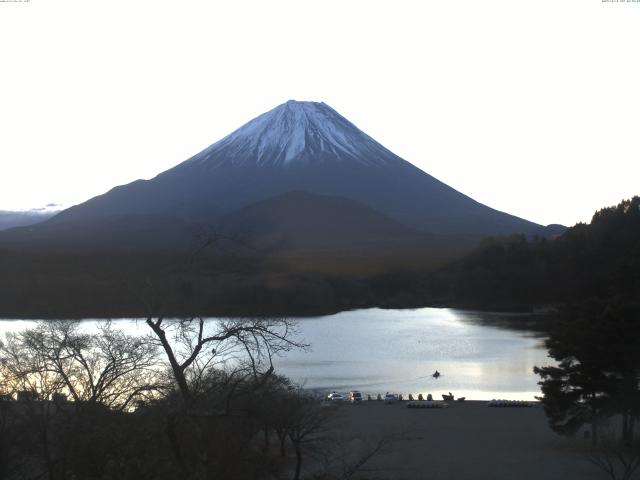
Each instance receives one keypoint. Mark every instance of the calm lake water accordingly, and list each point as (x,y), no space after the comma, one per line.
(478,354)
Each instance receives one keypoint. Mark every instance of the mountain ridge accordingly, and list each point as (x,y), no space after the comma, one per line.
(297,146)
(299,221)
(22,218)
(289,133)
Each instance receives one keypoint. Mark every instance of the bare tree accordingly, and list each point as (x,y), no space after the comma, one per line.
(108,368)
(26,376)
(103,372)
(618,459)
(214,365)
(343,458)
(11,435)
(26,370)
(308,426)
(194,347)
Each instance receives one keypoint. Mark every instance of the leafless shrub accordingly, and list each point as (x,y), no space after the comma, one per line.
(617,459)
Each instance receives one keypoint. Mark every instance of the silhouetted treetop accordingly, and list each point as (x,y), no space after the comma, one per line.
(600,259)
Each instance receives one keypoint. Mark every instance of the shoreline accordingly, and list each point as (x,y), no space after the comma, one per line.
(320,394)
(533,311)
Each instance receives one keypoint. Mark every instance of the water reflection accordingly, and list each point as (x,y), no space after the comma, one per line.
(383,350)
(480,355)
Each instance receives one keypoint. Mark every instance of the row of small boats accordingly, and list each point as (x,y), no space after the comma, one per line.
(510,403)
(492,403)
(426,404)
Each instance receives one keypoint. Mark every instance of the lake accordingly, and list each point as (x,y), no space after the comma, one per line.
(376,351)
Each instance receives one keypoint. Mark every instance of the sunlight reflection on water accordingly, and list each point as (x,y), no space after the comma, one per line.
(378,350)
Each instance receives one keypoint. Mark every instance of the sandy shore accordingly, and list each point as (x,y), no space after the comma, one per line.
(468,440)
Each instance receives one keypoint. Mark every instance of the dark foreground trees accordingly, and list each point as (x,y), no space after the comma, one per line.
(617,460)
(245,346)
(597,260)
(597,380)
(190,400)
(224,376)
(65,395)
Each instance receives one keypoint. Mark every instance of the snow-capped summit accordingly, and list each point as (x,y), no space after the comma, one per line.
(308,132)
(297,147)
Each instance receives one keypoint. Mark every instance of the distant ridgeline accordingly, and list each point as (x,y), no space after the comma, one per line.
(600,260)
(303,213)
(11,219)
(301,167)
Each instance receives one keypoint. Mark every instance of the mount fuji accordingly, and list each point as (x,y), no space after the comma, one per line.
(296,147)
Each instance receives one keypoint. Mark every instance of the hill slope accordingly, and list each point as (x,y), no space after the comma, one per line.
(300,146)
(294,223)
(596,260)
(11,219)
(298,222)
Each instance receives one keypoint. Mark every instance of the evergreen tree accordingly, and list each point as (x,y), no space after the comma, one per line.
(598,370)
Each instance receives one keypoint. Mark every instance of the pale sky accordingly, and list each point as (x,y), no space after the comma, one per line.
(531,107)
